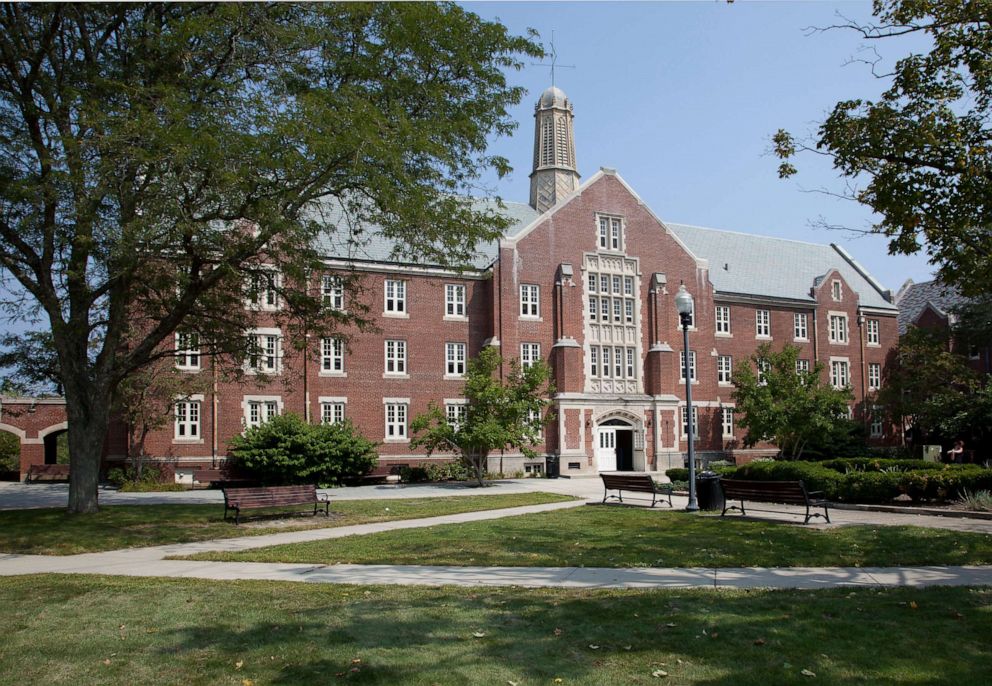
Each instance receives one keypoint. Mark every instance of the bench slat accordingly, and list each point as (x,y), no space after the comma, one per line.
(641,483)
(786,492)
(253,498)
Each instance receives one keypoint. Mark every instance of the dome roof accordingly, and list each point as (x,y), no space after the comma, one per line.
(553,97)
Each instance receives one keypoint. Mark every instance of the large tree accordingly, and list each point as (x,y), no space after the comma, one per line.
(930,387)
(499,414)
(921,154)
(155,155)
(777,402)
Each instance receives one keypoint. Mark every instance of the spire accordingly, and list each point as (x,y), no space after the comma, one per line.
(555,174)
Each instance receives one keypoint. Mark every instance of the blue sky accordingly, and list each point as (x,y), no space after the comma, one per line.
(682,99)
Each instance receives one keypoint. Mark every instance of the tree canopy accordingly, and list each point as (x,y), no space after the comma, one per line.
(499,413)
(923,149)
(777,402)
(156,155)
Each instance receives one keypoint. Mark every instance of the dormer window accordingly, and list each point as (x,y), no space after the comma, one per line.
(610,233)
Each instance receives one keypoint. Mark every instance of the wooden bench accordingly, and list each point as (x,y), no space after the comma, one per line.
(640,483)
(47,472)
(787,492)
(239,499)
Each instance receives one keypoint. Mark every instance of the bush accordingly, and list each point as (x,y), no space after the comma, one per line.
(411,475)
(152,479)
(10,452)
(814,475)
(979,501)
(875,464)
(287,450)
(677,474)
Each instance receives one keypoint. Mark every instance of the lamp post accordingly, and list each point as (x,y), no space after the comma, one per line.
(683,303)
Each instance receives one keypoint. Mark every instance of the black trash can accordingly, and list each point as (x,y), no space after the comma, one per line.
(708,491)
(552,467)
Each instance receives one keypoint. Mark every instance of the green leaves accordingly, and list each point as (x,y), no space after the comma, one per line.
(500,414)
(923,150)
(787,407)
(287,450)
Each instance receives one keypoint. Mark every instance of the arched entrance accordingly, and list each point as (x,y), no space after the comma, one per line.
(56,443)
(617,444)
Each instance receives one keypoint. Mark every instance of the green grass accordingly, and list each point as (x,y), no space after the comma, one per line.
(631,537)
(55,532)
(105,630)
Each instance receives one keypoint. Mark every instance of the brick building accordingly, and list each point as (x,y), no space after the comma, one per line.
(584,278)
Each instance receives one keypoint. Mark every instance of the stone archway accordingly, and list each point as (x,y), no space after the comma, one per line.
(619,442)
(52,437)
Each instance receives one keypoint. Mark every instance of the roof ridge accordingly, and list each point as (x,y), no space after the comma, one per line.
(745,233)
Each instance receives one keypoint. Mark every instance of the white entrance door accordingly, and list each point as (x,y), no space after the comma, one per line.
(606,450)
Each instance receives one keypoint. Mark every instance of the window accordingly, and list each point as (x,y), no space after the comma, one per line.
(187,419)
(628,286)
(262,290)
(695,421)
(724,369)
(800,328)
(395,357)
(762,324)
(331,412)
(873,338)
(615,362)
(727,421)
(838,328)
(535,416)
(835,290)
(264,352)
(529,301)
(332,291)
(874,376)
(617,315)
(331,355)
(187,351)
(529,354)
(454,356)
(839,374)
(876,429)
(454,300)
(763,367)
(594,361)
(628,311)
(723,319)
(455,414)
(260,410)
(395,297)
(396,421)
(630,363)
(802,366)
(593,308)
(692,365)
(610,233)
(593,283)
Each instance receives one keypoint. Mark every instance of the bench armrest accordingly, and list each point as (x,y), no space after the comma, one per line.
(323,498)
(812,493)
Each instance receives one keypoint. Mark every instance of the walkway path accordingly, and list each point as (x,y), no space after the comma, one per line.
(151,562)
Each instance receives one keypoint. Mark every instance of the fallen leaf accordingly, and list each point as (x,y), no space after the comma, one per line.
(593,647)
(627,647)
(659,673)
(356,661)
(239,664)
(806,672)
(479,634)
(957,615)
(912,604)
(512,683)
(558,632)
(759,641)
(714,634)
(247,682)
(558,680)
(106,662)
(671,625)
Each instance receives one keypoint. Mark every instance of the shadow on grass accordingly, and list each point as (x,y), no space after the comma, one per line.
(374,635)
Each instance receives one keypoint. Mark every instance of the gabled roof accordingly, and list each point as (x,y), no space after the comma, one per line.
(746,264)
(913,298)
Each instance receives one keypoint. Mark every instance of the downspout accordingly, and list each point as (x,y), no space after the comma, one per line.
(213,422)
(864,388)
(306,378)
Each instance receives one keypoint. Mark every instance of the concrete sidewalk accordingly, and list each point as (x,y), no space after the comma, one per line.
(151,562)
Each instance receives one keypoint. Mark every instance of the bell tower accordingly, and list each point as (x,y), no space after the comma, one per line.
(555,174)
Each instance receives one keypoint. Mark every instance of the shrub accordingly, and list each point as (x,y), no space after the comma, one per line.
(410,474)
(876,464)
(10,452)
(287,450)
(152,479)
(814,475)
(677,474)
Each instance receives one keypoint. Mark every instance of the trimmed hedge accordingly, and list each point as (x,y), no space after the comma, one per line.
(864,480)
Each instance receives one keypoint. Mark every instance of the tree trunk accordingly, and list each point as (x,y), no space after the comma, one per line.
(88,413)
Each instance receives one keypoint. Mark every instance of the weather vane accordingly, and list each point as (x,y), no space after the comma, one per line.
(554,60)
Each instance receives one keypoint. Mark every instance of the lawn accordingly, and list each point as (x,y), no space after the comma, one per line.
(637,537)
(55,532)
(86,630)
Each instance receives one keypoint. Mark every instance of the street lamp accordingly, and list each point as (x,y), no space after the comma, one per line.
(683,303)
